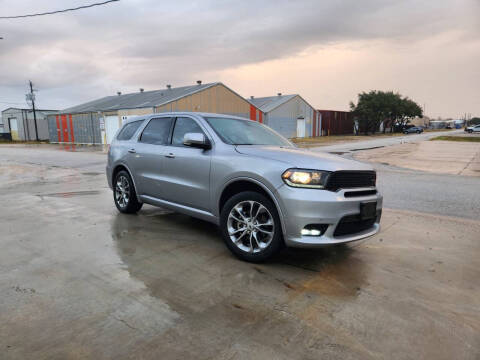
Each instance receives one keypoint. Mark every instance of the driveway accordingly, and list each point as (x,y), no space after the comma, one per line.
(78,280)
(384,141)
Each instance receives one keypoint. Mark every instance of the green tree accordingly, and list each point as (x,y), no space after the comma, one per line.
(391,108)
(474,121)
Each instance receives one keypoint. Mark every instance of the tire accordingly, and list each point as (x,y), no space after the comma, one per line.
(258,242)
(125,201)
(405,132)
(470,131)
(418,132)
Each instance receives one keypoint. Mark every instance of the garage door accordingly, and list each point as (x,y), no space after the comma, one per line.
(111,127)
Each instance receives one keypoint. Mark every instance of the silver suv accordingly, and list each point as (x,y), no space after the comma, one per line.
(258,187)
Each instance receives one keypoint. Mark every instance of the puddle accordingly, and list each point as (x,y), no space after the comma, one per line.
(70,194)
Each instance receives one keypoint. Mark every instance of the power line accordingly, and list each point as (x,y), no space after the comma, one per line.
(58,11)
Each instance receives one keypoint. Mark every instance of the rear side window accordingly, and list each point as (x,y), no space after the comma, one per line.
(157,131)
(184,125)
(128,130)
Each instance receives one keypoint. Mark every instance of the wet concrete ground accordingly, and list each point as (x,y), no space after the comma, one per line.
(78,280)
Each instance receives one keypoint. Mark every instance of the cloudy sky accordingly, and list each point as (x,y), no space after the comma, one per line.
(326,50)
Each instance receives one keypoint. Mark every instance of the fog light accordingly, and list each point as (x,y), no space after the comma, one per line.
(312,232)
(314,229)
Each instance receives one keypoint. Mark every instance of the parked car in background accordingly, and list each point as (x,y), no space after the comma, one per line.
(258,187)
(472,129)
(413,129)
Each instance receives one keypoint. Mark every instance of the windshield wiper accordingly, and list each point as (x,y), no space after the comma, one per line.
(244,144)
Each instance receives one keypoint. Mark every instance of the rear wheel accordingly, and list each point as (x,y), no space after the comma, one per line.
(418,131)
(124,194)
(250,226)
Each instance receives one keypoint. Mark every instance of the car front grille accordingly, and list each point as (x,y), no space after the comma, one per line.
(351,179)
(352,224)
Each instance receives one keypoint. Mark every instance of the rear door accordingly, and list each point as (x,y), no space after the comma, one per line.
(187,169)
(146,157)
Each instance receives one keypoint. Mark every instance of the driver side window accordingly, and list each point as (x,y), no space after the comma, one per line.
(184,125)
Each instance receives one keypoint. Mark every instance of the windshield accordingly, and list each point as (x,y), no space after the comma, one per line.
(244,132)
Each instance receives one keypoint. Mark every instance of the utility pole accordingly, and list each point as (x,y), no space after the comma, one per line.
(31,96)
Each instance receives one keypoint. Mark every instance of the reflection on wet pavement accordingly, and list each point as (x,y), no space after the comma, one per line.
(80,280)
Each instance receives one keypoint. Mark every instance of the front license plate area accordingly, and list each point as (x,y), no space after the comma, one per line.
(368,210)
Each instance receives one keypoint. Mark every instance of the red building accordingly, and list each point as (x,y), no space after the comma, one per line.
(332,122)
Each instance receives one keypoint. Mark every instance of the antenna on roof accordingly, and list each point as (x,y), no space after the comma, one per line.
(119,93)
(279,94)
(141,89)
(169,86)
(252,97)
(199,82)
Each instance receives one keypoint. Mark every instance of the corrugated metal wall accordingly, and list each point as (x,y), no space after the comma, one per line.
(283,119)
(336,122)
(130,112)
(26,123)
(75,128)
(216,99)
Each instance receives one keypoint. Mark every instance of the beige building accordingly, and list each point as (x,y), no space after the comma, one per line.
(96,122)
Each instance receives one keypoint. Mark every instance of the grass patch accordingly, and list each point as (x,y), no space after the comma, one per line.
(457,138)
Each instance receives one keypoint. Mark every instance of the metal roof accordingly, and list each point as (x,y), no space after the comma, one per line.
(136,100)
(269,103)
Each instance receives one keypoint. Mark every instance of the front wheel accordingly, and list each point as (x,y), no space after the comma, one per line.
(470,131)
(250,226)
(124,194)
(418,131)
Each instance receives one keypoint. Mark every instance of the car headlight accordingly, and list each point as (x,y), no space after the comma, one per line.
(306,178)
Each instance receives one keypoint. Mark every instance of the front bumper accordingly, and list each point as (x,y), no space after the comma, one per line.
(301,207)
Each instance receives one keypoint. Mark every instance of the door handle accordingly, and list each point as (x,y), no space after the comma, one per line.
(132,151)
(170,155)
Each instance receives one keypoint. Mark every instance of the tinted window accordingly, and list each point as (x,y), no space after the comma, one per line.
(157,131)
(128,130)
(245,132)
(183,126)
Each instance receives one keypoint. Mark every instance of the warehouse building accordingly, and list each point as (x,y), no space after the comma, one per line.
(96,122)
(21,124)
(290,115)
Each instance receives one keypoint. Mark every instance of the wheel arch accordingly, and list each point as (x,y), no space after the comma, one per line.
(239,185)
(116,170)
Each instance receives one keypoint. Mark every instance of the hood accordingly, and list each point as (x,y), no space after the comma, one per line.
(302,158)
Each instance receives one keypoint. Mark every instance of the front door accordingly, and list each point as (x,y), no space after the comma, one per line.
(12,124)
(300,127)
(187,169)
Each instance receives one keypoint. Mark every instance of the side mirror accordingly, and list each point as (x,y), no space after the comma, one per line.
(197,140)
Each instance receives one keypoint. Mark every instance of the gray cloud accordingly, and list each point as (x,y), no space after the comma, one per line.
(148,43)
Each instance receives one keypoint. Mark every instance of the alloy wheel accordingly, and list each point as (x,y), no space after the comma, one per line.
(250,226)
(122,191)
